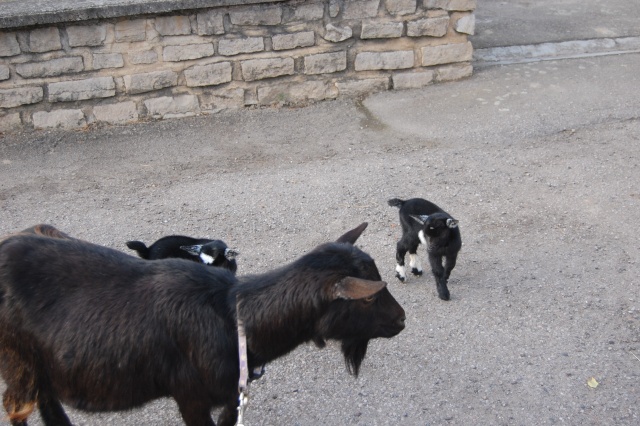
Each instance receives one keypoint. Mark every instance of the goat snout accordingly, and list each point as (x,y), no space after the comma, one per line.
(395,328)
(401,322)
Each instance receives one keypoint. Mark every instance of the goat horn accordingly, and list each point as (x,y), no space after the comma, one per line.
(230,253)
(421,219)
(351,236)
(356,288)
(194,250)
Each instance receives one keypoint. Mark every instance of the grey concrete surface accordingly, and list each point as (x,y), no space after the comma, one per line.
(502,23)
(540,162)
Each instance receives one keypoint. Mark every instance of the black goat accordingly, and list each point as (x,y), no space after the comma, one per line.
(209,252)
(424,222)
(102,330)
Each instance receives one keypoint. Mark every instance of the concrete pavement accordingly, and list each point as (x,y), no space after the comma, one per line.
(523,31)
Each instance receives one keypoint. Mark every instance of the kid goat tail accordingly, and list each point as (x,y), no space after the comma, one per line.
(140,247)
(396,202)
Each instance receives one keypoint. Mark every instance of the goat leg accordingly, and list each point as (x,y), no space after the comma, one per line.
(194,412)
(443,291)
(414,263)
(439,274)
(449,264)
(400,270)
(51,411)
(229,414)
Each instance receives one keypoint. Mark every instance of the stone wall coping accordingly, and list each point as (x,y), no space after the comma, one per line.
(26,13)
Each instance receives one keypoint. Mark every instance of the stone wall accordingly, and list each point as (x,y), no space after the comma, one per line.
(200,61)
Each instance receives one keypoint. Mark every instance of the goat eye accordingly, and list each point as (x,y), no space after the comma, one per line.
(369,299)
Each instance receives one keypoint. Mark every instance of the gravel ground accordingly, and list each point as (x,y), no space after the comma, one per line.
(539,162)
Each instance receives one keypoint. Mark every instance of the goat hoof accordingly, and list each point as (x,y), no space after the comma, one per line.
(400,277)
(444,294)
(416,272)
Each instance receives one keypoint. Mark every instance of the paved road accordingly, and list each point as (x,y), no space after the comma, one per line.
(539,162)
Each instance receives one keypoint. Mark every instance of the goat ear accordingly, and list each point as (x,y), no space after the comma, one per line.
(230,254)
(351,236)
(194,250)
(356,288)
(452,223)
(421,219)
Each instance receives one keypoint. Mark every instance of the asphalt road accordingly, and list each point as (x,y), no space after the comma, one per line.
(539,162)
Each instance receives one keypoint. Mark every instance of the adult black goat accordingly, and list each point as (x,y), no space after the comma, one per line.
(209,252)
(102,330)
(424,222)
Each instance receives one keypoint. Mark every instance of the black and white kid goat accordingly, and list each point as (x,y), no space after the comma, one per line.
(424,222)
(202,250)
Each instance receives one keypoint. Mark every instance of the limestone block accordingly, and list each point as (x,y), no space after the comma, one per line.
(296,93)
(367,61)
(51,68)
(307,12)
(359,9)
(208,75)
(258,69)
(256,15)
(119,113)
(446,54)
(210,23)
(401,7)
(325,63)
(337,34)
(461,5)
(10,122)
(173,25)
(374,29)
(466,24)
(9,44)
(107,60)
(334,8)
(294,40)
(454,72)
(134,30)
(221,99)
(187,52)
(173,107)
(432,27)
(143,57)
(146,82)
(44,40)
(91,88)
(452,5)
(62,118)
(353,88)
(87,35)
(435,4)
(412,80)
(5,73)
(229,47)
(10,98)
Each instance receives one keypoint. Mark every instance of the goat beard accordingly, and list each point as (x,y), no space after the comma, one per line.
(354,351)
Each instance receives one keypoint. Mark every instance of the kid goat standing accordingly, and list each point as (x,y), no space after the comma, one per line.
(424,222)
